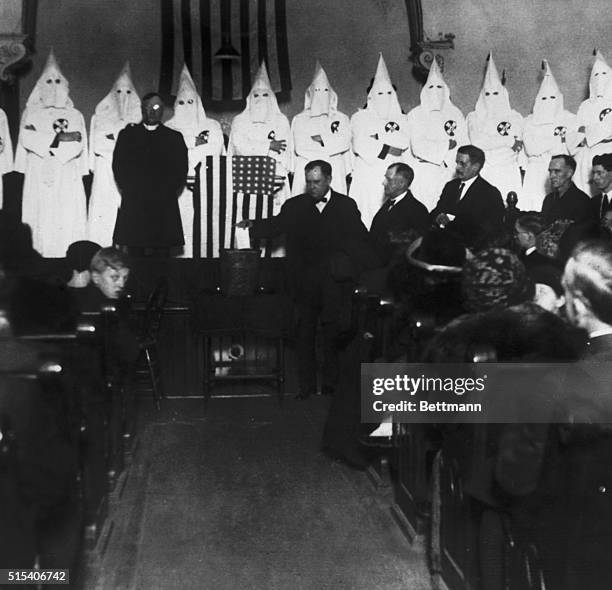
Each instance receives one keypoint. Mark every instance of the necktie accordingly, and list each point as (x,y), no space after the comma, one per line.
(389,205)
(459,191)
(605,204)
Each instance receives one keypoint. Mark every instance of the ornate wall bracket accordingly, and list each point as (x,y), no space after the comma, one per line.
(424,50)
(12,52)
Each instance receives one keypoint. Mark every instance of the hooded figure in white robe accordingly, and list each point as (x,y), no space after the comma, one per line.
(595,120)
(118,108)
(436,128)
(6,150)
(262,130)
(52,154)
(497,129)
(380,138)
(203,137)
(321,132)
(549,130)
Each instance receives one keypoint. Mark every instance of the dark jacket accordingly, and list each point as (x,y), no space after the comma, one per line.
(389,224)
(150,169)
(480,211)
(316,241)
(573,204)
(596,206)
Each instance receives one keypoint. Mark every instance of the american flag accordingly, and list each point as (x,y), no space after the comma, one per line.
(227,190)
(194,30)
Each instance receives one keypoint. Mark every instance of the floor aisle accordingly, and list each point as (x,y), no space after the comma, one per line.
(241,498)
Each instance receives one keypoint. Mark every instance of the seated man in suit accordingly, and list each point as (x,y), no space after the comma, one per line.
(327,244)
(602,179)
(469,206)
(526,228)
(566,201)
(400,215)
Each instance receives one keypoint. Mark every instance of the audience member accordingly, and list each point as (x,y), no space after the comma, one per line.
(602,179)
(565,201)
(526,230)
(548,289)
(469,205)
(400,215)
(495,279)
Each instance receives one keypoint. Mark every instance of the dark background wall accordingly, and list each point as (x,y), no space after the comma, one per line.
(92,39)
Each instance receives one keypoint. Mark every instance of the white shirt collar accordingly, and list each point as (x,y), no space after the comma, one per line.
(320,205)
(467,184)
(151,127)
(397,199)
(530,250)
(601,332)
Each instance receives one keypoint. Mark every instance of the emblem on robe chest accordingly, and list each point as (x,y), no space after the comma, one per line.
(391,126)
(604,113)
(334,126)
(60,125)
(560,131)
(203,135)
(272,135)
(504,127)
(450,127)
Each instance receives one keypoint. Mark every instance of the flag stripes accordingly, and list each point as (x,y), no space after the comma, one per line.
(194,30)
(217,208)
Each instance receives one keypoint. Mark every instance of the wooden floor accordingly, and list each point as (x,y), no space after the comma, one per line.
(241,497)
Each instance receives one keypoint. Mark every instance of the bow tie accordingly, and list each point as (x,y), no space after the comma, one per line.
(321,200)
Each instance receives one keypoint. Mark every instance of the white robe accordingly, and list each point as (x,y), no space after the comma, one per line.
(54,203)
(430,157)
(595,115)
(496,139)
(196,154)
(335,132)
(541,142)
(372,158)
(6,151)
(253,139)
(105,198)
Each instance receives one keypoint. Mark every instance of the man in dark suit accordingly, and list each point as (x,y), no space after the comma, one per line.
(566,201)
(587,280)
(526,228)
(469,206)
(400,214)
(326,244)
(602,179)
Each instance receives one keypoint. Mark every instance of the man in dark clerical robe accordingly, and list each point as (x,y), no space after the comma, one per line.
(150,168)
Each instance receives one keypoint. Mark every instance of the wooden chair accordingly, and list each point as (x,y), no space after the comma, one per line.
(148,366)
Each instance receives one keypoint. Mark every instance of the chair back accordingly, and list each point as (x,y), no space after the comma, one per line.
(154,310)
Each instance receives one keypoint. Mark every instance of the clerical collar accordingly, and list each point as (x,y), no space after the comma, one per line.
(151,127)
(530,250)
